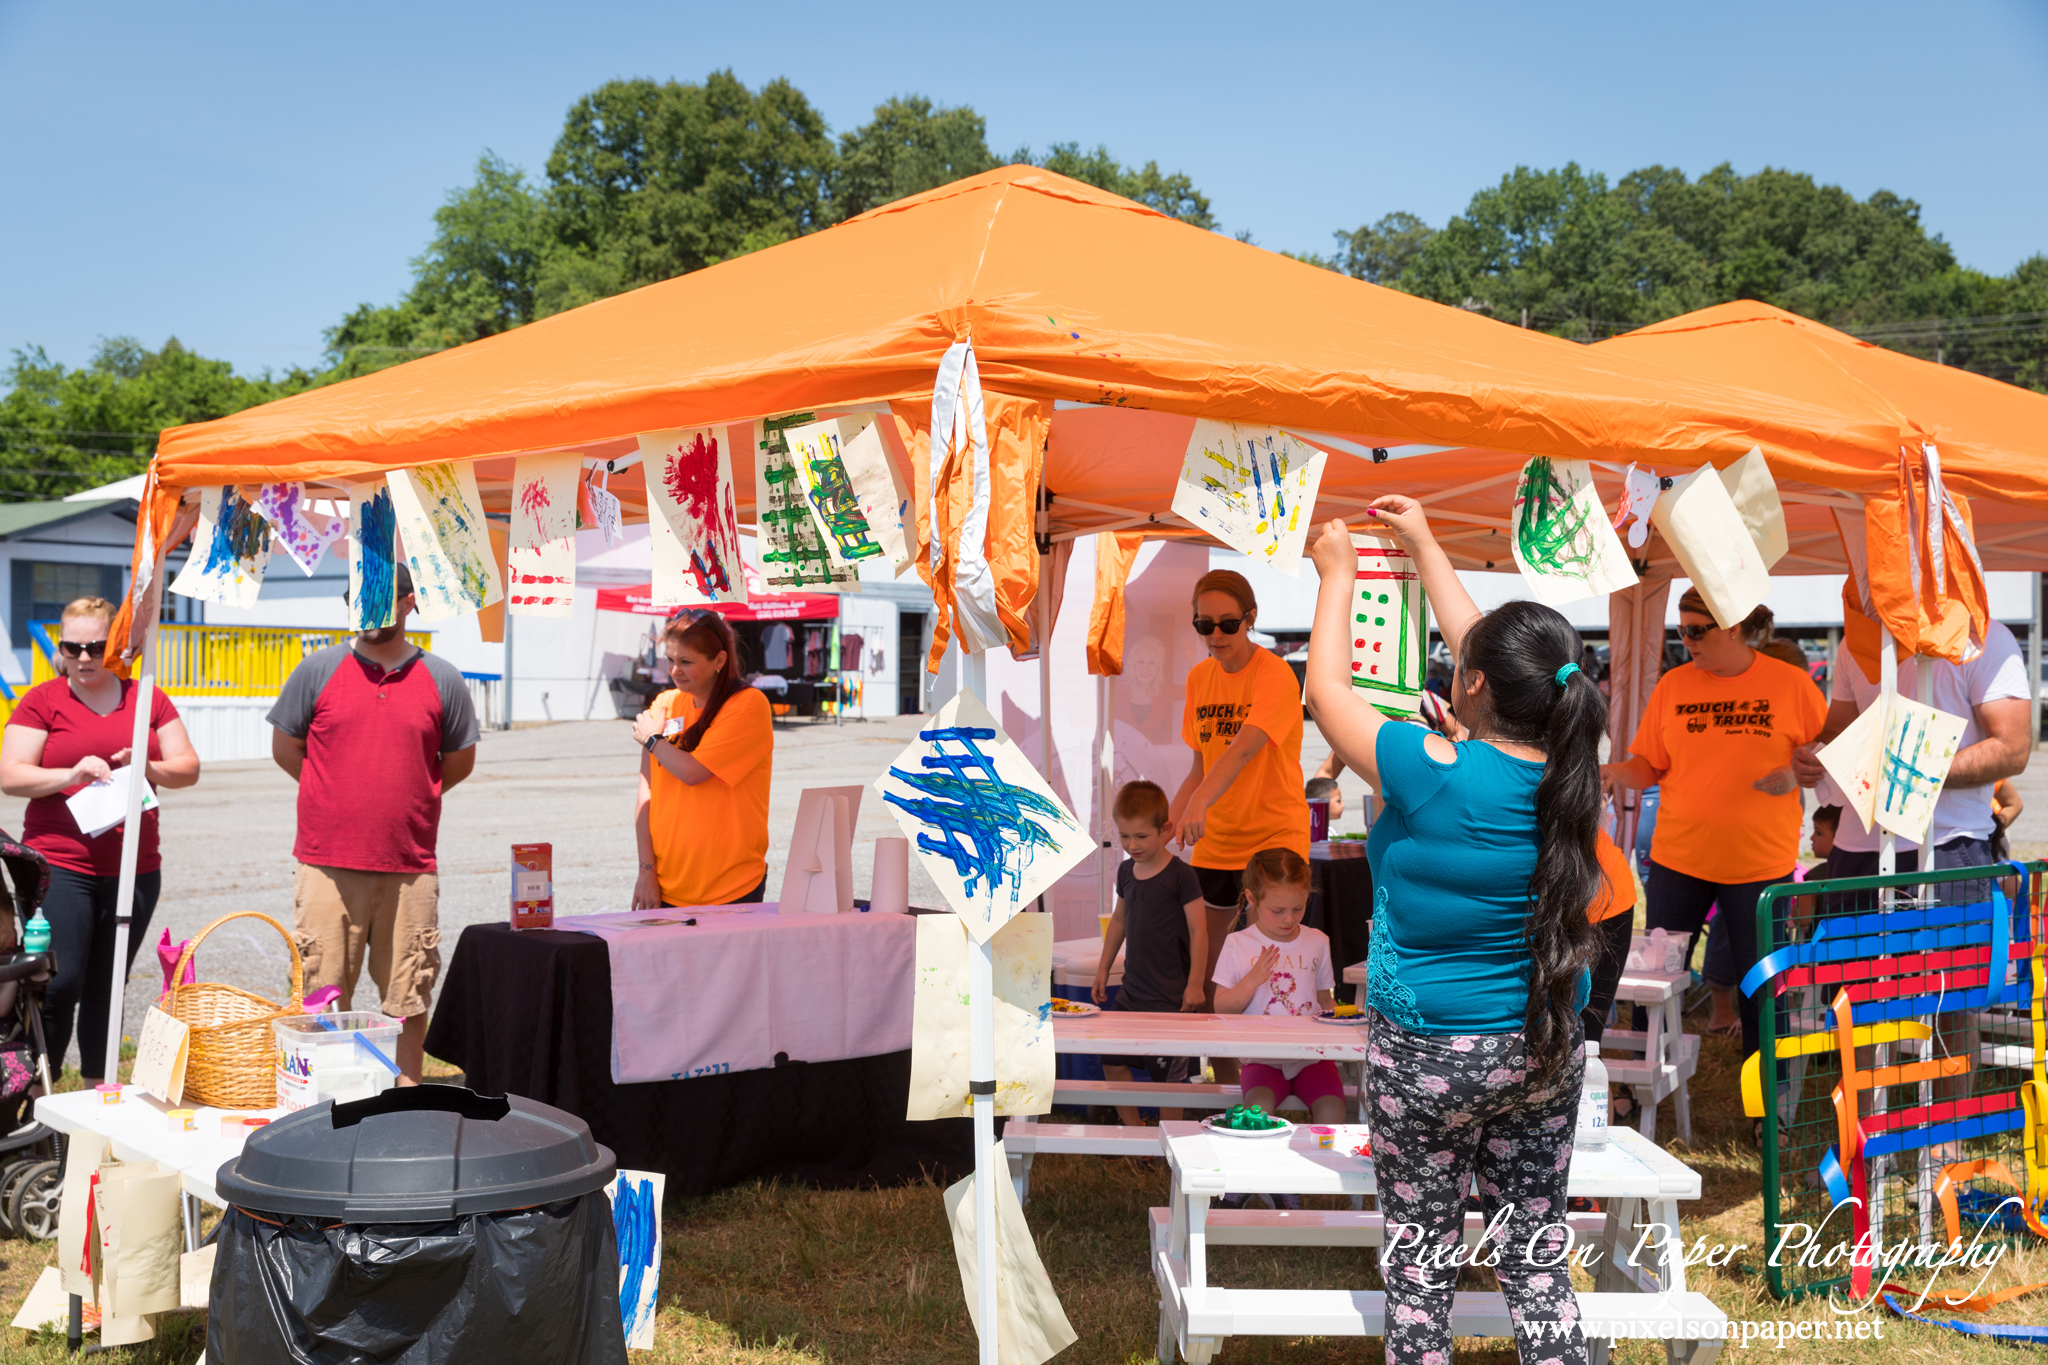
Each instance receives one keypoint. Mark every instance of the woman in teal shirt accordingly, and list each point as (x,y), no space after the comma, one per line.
(1483,864)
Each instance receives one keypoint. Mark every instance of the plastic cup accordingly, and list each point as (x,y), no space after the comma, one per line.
(183,1120)
(1319,820)
(109,1092)
(1102,921)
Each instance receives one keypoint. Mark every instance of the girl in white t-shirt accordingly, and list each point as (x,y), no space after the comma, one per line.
(1278,967)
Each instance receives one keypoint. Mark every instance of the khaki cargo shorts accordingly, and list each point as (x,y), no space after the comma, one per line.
(339,915)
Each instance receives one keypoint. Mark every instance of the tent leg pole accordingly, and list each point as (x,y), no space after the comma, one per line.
(131,848)
(1887,688)
(981,1075)
(2034,665)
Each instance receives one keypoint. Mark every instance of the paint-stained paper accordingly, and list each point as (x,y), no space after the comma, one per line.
(140,1240)
(541,561)
(689,486)
(1639,491)
(636,1214)
(1755,495)
(985,825)
(1919,745)
(1253,488)
(77,1249)
(1562,541)
(604,512)
(373,556)
(1390,627)
(1031,1327)
(1855,759)
(793,553)
(440,516)
(883,496)
(47,1304)
(815,453)
(939,1023)
(230,551)
(296,529)
(1712,544)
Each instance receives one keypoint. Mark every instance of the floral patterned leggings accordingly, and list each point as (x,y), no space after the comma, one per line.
(1443,1108)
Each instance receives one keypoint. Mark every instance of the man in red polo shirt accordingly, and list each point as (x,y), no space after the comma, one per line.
(374,731)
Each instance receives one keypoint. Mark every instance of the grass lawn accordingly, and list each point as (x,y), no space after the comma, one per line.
(769,1274)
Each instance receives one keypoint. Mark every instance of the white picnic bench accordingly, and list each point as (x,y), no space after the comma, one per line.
(1640,1184)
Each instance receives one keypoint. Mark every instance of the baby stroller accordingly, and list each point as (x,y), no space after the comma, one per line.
(31,1154)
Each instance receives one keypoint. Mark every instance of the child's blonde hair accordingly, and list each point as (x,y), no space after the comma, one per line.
(1142,801)
(1271,867)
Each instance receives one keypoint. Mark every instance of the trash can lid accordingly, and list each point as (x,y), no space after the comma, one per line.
(417,1154)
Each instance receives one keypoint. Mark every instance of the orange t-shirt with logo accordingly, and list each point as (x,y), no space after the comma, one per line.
(711,840)
(1264,808)
(1712,738)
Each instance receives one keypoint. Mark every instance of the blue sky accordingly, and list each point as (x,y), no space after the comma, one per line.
(241,175)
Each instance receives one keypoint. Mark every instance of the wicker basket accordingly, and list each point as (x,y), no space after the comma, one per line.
(231,1058)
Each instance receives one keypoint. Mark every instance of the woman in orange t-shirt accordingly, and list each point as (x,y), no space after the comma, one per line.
(1244,792)
(702,819)
(1716,739)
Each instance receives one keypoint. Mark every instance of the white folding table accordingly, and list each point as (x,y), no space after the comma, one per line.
(1639,1184)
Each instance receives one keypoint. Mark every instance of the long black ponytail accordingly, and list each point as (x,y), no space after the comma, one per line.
(1529,656)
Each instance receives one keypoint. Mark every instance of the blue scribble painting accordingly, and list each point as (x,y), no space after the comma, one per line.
(636,1217)
(230,550)
(983,821)
(373,551)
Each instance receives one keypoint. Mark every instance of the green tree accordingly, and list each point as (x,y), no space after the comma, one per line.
(1174,195)
(63,430)
(908,147)
(1381,252)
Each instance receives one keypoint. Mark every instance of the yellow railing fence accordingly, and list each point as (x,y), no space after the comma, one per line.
(222,661)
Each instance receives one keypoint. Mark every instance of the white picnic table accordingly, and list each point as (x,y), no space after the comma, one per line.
(1639,1184)
(1661,1059)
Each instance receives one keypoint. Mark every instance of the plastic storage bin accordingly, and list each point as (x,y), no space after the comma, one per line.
(423,1225)
(337,1057)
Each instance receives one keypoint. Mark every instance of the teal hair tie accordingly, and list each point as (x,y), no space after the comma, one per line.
(1565,673)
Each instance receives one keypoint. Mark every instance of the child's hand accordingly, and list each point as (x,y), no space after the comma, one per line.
(1262,966)
(1402,515)
(1100,992)
(1195,1000)
(1331,551)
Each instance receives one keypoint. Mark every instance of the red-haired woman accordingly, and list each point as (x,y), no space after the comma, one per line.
(702,820)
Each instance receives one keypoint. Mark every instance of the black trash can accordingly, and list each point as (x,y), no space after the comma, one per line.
(428,1223)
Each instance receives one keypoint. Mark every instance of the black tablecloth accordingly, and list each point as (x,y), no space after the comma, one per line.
(1342,904)
(530,1013)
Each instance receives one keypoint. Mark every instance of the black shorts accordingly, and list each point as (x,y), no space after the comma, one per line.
(1222,887)
(1175,1070)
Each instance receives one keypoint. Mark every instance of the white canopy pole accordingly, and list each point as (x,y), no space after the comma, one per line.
(131,837)
(981,1085)
(1887,688)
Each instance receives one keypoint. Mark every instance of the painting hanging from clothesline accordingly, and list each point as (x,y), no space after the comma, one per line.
(1253,488)
(1390,627)
(372,556)
(983,822)
(440,518)
(230,551)
(815,453)
(540,562)
(1561,538)
(689,486)
(794,556)
(295,528)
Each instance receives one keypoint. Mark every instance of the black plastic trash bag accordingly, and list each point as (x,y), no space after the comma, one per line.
(533,1286)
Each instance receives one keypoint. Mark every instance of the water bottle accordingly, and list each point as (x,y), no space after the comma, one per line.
(1591,1133)
(36,939)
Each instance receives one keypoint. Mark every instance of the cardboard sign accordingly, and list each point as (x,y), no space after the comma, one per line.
(533,886)
(818,878)
(160,1056)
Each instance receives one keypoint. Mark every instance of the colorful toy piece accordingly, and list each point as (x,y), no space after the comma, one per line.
(1250,1118)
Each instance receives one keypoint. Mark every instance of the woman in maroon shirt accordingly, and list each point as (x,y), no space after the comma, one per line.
(64,735)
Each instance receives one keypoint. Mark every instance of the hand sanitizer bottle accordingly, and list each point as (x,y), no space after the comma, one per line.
(1591,1133)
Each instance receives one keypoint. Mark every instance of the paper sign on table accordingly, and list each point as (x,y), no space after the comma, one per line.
(301,533)
(985,825)
(689,485)
(636,1213)
(541,559)
(1031,1327)
(1712,544)
(230,551)
(372,556)
(1562,541)
(99,806)
(160,1056)
(815,455)
(793,553)
(939,1024)
(1390,624)
(440,516)
(818,877)
(1755,495)
(1919,745)
(1253,488)
(1855,759)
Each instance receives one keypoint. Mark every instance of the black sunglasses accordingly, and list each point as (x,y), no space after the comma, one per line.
(74,650)
(1693,634)
(1208,626)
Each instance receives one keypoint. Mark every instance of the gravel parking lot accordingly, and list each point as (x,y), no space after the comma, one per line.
(227,841)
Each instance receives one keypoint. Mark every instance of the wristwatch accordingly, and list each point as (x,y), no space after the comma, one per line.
(652,740)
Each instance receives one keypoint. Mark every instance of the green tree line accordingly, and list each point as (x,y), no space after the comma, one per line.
(649,180)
